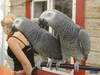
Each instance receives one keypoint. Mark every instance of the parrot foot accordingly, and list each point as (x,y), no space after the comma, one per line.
(49,64)
(76,66)
(58,64)
(38,64)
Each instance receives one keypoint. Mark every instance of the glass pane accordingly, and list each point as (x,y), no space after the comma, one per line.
(39,7)
(64,6)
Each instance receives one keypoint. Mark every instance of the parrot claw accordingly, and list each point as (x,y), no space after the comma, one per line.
(49,64)
(58,64)
(38,64)
(76,66)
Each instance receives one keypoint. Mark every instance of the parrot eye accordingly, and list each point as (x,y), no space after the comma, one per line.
(49,14)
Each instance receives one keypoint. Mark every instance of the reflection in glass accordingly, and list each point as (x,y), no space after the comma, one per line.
(64,6)
(39,7)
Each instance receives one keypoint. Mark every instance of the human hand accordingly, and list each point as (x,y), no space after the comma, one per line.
(21,72)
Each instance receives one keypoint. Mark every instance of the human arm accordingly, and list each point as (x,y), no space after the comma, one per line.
(17,50)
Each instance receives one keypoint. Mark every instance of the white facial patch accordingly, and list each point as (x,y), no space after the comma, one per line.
(48,15)
(17,22)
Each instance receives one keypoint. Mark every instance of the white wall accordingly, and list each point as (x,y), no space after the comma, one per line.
(1,39)
(3,44)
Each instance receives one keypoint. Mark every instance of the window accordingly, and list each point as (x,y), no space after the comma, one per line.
(64,6)
(39,7)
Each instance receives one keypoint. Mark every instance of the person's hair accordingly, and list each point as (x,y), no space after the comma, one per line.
(9,18)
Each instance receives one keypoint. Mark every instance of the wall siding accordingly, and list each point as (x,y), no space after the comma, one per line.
(92,25)
(18,7)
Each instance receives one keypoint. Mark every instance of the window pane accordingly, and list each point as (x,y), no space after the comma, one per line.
(64,6)
(39,7)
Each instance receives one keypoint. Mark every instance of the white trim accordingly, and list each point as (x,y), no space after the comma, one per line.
(74,11)
(50,5)
(32,10)
(58,72)
(33,7)
(7,7)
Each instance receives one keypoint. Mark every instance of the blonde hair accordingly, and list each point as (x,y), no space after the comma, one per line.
(8,19)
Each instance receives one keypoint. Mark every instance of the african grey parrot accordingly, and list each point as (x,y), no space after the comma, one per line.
(74,40)
(41,40)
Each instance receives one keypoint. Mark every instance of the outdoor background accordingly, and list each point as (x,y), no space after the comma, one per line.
(91,22)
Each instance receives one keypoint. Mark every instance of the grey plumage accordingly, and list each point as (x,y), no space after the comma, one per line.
(42,41)
(84,42)
(74,40)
